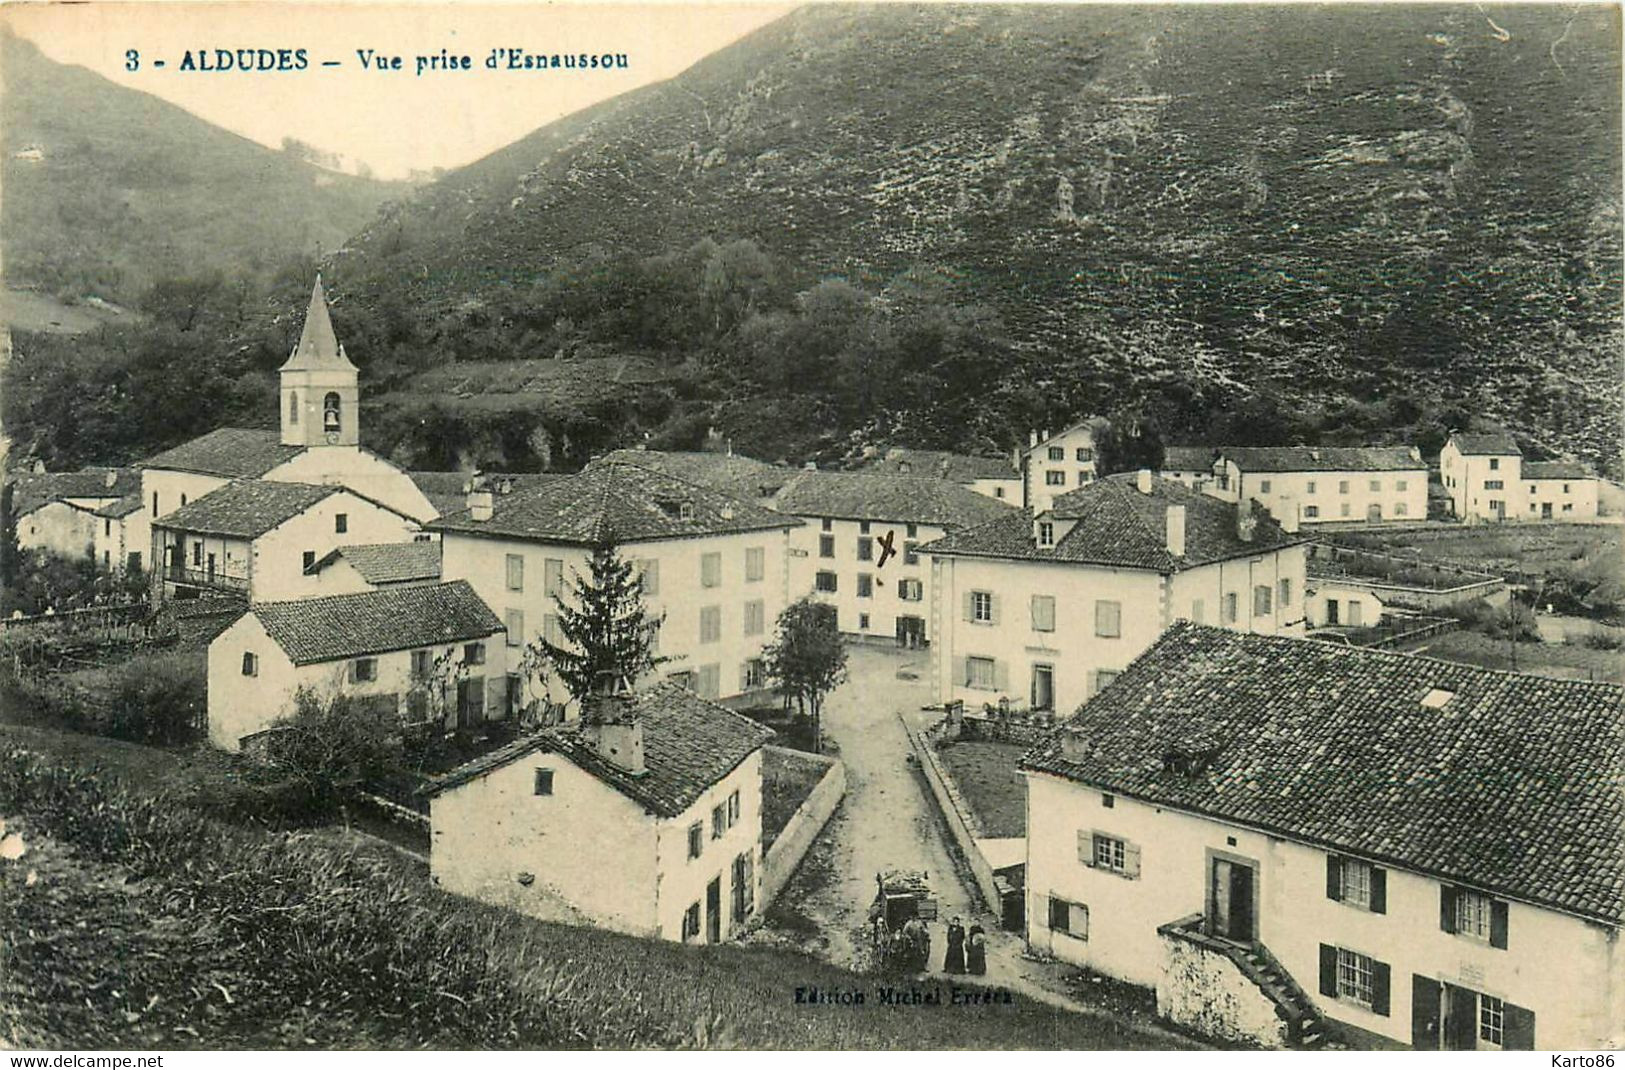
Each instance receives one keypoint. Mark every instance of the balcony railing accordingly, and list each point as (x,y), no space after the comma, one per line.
(197,577)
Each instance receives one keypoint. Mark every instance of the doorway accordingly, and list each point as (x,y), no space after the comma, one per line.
(1373,512)
(713,911)
(1545,510)
(911,632)
(1331,611)
(1232,898)
(1043,693)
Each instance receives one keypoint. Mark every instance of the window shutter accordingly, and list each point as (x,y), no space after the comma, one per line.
(961,671)
(1517,1029)
(1001,676)
(965,606)
(1131,860)
(1334,878)
(1038,613)
(1379,890)
(744,677)
(1328,970)
(1447,908)
(1086,847)
(993,602)
(1498,923)
(1380,982)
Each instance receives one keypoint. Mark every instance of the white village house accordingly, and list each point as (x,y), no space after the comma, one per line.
(370,566)
(1488,479)
(644,816)
(418,651)
(859,549)
(76,514)
(1046,610)
(713,566)
(1055,464)
(1295,841)
(1326,484)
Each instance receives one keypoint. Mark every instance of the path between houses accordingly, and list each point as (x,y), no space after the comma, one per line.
(888,820)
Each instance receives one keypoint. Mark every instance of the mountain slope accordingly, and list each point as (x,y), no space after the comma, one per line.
(108,189)
(1329,202)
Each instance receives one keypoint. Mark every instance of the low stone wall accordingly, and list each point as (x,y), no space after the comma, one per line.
(779,861)
(1201,989)
(958,815)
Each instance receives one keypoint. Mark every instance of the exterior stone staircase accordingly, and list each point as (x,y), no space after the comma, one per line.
(1305,1028)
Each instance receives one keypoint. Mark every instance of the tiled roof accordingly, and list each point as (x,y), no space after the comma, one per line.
(1555,470)
(1188,458)
(448,491)
(743,477)
(1512,785)
(34,489)
(232,452)
(246,509)
(130,503)
(630,501)
(689,744)
(1322,458)
(887,497)
(1117,525)
(376,622)
(939,464)
(1492,443)
(389,562)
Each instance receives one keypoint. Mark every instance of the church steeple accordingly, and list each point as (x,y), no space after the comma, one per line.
(319,384)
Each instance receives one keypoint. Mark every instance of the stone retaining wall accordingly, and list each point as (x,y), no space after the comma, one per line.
(779,861)
(961,823)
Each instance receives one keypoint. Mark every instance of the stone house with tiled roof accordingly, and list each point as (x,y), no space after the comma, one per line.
(1488,479)
(1045,610)
(370,566)
(1326,484)
(644,817)
(262,540)
(1295,841)
(381,646)
(859,548)
(995,477)
(63,512)
(1053,465)
(713,566)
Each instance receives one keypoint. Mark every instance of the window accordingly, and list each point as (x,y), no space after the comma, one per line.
(516,572)
(1262,602)
(911,552)
(719,821)
(1085,454)
(1043,613)
(866,548)
(331,406)
(711,570)
(197,556)
(1495,464)
(733,808)
(1232,607)
(1342,486)
(755,617)
(293,406)
(1057,453)
(755,564)
(1357,883)
(826,525)
(1055,478)
(1491,1020)
(516,627)
(1046,533)
(309,558)
(1084,477)
(863,622)
(1198,610)
(981,607)
(341,522)
(754,675)
(1401,485)
(685,510)
(1474,915)
(911,530)
(866,585)
(107,528)
(363,670)
(543,784)
(1069,918)
(155,504)
(1109,853)
(1401,509)
(1103,680)
(552,577)
(1311,510)
(710,624)
(825,582)
(696,843)
(1286,592)
(979,673)
(473,653)
(1376,486)
(420,664)
(1310,487)
(649,572)
(251,664)
(1493,484)
(1263,486)
(553,631)
(1354,976)
(863,527)
(1108,619)
(1565,488)
(826,546)
(1343,509)
(910,590)
(691,922)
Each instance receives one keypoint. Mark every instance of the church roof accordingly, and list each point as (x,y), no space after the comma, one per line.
(318,346)
(233,452)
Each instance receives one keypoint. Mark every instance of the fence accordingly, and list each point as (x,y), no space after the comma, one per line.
(779,861)
(1412,629)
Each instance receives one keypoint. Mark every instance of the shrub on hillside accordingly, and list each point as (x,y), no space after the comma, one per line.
(157,698)
(333,742)
(1514,621)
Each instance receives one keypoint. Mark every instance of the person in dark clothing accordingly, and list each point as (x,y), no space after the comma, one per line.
(976,949)
(954,961)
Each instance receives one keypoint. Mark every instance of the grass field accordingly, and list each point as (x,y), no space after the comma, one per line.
(1562,660)
(787,779)
(1519,549)
(987,779)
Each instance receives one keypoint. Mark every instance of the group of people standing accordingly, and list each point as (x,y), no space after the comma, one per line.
(967,951)
(908,947)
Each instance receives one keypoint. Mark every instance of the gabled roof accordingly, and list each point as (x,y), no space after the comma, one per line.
(318,346)
(940,464)
(1047,439)
(882,496)
(232,452)
(1188,458)
(1555,470)
(246,509)
(689,744)
(630,501)
(1512,785)
(130,503)
(1116,525)
(388,562)
(1485,443)
(343,626)
(34,489)
(1323,458)
(448,491)
(731,473)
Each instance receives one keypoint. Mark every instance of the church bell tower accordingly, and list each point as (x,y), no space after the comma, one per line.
(320,390)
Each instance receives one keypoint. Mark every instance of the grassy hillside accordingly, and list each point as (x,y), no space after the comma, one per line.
(204,935)
(1332,204)
(108,189)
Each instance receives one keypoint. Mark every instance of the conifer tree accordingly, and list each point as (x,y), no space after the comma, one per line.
(606,627)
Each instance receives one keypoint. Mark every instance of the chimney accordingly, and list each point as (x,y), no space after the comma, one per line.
(1142,480)
(1032,439)
(727,511)
(481,506)
(610,724)
(1414,453)
(810,466)
(1245,521)
(1176,530)
(112,477)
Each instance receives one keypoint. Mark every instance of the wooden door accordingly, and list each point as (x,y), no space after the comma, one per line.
(1426,1005)
(1232,897)
(1460,1019)
(713,911)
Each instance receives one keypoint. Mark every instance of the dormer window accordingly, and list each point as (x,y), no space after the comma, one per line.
(1046,533)
(686,511)
(1437,698)
(331,406)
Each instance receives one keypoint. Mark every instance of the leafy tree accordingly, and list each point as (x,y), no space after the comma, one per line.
(606,629)
(807,658)
(334,741)
(1126,441)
